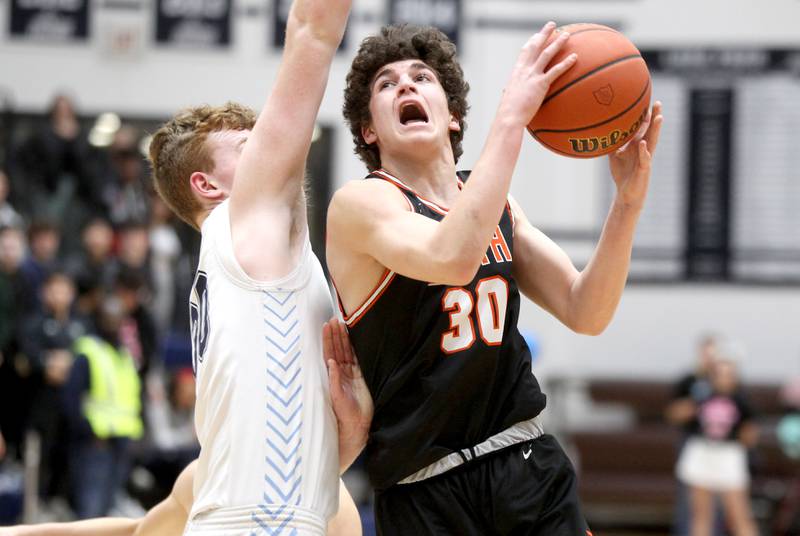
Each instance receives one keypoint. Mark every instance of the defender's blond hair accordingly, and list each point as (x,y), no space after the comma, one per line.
(179,149)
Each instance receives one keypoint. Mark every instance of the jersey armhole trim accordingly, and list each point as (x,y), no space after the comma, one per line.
(399,185)
(513,219)
(388,177)
(374,296)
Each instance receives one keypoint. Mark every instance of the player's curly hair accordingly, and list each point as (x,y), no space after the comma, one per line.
(179,148)
(398,43)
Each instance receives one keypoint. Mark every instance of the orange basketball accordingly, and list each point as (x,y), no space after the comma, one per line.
(598,104)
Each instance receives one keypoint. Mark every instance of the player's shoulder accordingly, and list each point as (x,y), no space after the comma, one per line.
(368,195)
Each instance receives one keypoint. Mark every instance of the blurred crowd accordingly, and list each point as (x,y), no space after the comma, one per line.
(95,355)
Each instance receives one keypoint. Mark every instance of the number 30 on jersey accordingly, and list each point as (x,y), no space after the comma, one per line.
(486,308)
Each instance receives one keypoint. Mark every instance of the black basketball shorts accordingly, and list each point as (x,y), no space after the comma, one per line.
(527,489)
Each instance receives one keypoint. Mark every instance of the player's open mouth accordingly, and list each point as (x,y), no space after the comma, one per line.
(412,113)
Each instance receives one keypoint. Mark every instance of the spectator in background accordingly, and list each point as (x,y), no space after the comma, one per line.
(133,253)
(787,518)
(56,178)
(789,426)
(102,400)
(170,424)
(12,254)
(15,386)
(165,250)
(687,393)
(137,332)
(44,240)
(92,267)
(714,460)
(47,341)
(124,192)
(9,217)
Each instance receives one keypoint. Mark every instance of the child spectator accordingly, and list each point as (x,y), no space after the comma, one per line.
(714,459)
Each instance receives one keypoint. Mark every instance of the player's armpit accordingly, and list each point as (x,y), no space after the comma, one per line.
(373,218)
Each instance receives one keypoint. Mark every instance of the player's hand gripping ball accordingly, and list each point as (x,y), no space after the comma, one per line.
(599,104)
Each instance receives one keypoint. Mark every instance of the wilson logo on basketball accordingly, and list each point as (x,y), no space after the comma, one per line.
(593,144)
(604,95)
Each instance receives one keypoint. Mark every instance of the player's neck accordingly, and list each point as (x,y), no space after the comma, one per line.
(434,179)
(204,213)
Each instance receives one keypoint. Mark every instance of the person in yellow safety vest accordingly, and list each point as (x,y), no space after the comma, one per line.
(103,405)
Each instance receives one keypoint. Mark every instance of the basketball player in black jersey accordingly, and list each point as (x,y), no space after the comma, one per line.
(429,268)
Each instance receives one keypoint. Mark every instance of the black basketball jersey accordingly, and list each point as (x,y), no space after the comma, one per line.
(446,366)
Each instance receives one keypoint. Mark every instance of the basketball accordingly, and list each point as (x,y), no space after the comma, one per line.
(600,103)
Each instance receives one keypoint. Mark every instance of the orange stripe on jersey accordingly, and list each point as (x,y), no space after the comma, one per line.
(513,220)
(399,185)
(430,204)
(374,296)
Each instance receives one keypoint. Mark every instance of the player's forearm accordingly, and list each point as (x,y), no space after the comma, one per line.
(596,292)
(469,226)
(277,149)
(91,527)
(349,449)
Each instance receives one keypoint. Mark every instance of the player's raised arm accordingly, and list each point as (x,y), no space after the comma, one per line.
(270,171)
(373,219)
(585,301)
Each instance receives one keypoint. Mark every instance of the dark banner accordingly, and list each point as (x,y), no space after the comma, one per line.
(443,14)
(51,20)
(193,23)
(709,193)
(280,17)
(722,60)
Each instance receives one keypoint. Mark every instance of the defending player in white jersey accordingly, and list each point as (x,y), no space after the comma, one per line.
(269,460)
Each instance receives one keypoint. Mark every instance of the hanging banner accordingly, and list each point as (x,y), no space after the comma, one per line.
(280,15)
(50,20)
(193,23)
(443,14)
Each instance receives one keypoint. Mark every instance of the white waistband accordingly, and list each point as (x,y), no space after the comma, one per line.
(518,433)
(264,516)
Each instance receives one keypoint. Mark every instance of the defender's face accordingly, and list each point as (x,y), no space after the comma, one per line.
(408,107)
(226,147)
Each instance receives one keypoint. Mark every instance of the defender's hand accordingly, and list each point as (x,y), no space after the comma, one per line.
(350,396)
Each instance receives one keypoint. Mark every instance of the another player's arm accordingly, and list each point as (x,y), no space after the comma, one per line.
(346,522)
(109,526)
(168,518)
(373,219)
(585,301)
(270,171)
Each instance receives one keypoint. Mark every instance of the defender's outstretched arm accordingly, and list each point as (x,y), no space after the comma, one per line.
(269,175)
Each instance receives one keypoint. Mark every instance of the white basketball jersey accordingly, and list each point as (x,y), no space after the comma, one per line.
(268,434)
